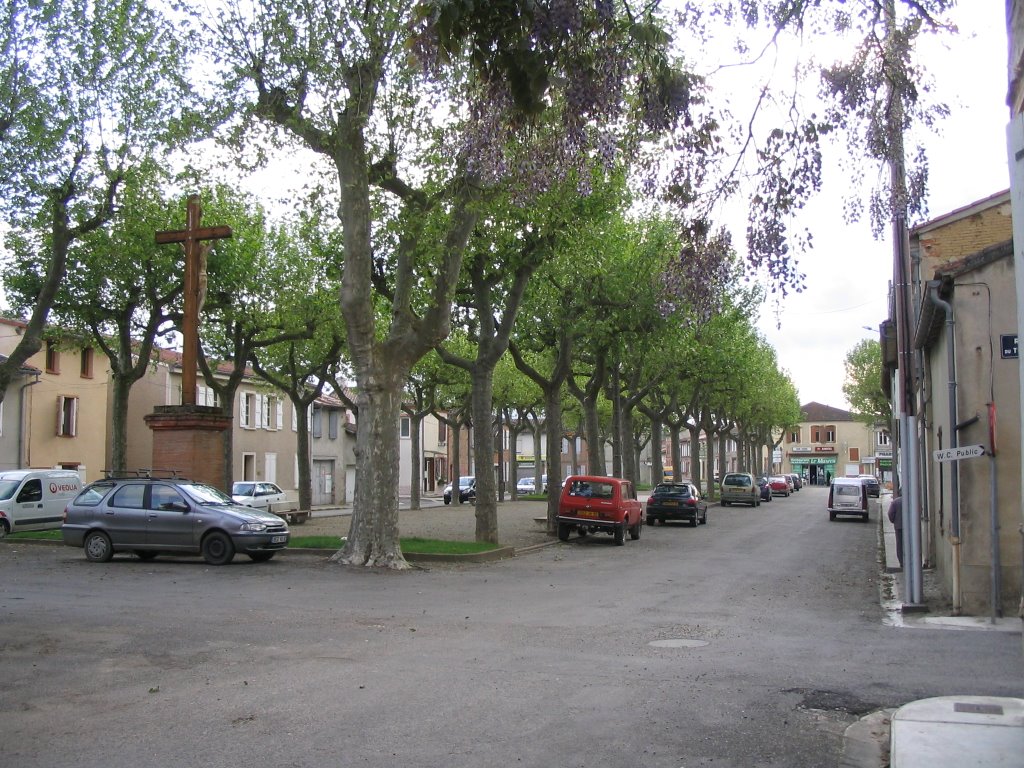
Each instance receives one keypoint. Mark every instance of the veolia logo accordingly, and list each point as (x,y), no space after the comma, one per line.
(61,487)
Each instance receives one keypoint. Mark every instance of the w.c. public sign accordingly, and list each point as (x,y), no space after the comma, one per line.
(963,452)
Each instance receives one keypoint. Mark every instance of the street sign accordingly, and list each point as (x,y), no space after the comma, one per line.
(963,452)
(1008,346)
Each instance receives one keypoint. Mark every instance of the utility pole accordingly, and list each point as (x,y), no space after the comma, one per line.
(909,484)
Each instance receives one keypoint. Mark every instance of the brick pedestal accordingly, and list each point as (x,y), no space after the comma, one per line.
(189,440)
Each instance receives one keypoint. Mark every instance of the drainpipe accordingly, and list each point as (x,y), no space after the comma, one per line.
(954,471)
(22,422)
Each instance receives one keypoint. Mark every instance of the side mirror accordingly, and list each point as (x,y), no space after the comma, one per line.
(175,506)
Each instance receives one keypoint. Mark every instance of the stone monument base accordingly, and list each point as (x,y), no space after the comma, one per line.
(188,439)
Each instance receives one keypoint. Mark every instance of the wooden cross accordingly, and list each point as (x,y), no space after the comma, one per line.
(192,238)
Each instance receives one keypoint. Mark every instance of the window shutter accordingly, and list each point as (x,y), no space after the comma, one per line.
(60,415)
(280,414)
(74,416)
(241,410)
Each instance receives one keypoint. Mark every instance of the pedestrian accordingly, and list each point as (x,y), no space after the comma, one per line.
(896,518)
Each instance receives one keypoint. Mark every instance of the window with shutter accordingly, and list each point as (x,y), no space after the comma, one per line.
(67,416)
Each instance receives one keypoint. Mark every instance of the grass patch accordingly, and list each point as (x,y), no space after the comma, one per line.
(419,546)
(54,535)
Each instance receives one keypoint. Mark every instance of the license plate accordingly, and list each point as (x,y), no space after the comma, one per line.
(588,513)
(671,503)
(278,539)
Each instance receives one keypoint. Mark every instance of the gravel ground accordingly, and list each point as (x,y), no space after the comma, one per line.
(516,526)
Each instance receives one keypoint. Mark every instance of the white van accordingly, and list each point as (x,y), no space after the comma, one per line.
(34,499)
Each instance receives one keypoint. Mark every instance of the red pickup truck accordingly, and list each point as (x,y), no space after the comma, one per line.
(592,504)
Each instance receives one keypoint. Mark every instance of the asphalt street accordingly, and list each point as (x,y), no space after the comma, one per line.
(751,641)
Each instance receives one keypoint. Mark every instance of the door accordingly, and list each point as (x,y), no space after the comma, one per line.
(323,482)
(270,467)
(126,518)
(28,504)
(170,521)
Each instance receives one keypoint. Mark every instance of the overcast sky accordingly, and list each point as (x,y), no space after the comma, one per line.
(848,272)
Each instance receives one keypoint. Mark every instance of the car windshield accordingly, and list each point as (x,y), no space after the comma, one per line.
(7,488)
(847,490)
(205,494)
(741,480)
(672,489)
(243,489)
(465,482)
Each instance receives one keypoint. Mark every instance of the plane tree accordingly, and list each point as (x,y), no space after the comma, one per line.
(89,91)
(119,293)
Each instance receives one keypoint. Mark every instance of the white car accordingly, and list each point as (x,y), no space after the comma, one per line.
(526,485)
(258,495)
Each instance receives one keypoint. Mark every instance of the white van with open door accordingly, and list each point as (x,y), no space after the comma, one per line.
(34,499)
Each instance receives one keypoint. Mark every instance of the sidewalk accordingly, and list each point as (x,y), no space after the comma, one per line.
(943,732)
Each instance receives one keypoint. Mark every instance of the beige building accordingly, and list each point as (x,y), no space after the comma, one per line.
(66,419)
(967,393)
(829,442)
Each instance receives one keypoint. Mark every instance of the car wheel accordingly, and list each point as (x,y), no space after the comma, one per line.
(261,557)
(563,531)
(650,519)
(582,532)
(693,523)
(5,528)
(864,517)
(832,516)
(634,531)
(145,554)
(217,548)
(620,534)
(725,503)
(704,518)
(447,500)
(98,548)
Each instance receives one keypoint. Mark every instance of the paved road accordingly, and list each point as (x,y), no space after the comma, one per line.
(774,641)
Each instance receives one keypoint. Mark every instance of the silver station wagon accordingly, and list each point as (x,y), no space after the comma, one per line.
(151,516)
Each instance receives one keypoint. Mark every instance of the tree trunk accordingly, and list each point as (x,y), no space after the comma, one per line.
(415,461)
(373,532)
(122,387)
(677,455)
(657,466)
(302,454)
(696,473)
(629,452)
(483,454)
(553,405)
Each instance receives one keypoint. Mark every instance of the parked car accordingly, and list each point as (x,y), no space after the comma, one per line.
(676,501)
(766,489)
(872,484)
(740,488)
(848,496)
(151,516)
(34,499)
(258,495)
(526,485)
(467,490)
(780,485)
(798,482)
(594,504)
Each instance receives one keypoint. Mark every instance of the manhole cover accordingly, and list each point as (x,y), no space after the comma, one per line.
(678,643)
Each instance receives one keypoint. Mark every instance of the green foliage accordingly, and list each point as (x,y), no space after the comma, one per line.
(862,385)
